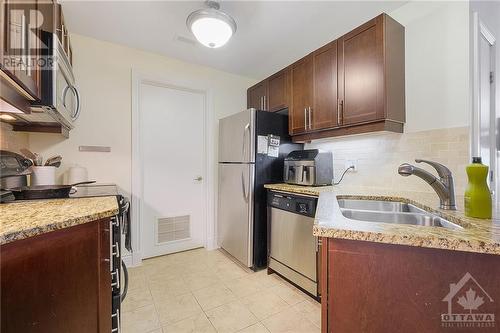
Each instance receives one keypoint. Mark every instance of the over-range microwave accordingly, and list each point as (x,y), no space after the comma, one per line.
(60,98)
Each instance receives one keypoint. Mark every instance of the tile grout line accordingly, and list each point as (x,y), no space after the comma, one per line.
(154,305)
(204,313)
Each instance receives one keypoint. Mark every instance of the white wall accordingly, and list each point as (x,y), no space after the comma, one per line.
(437,64)
(10,140)
(103,74)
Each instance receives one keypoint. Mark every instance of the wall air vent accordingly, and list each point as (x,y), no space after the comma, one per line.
(175,228)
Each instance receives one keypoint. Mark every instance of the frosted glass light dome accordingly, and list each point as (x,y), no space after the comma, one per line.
(211,26)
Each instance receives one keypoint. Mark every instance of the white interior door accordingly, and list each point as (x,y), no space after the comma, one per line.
(172,136)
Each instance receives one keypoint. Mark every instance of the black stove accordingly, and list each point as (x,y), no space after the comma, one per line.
(120,224)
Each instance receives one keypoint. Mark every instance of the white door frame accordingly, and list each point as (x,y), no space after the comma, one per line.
(137,182)
(479,30)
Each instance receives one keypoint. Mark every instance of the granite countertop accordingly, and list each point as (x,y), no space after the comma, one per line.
(480,236)
(24,219)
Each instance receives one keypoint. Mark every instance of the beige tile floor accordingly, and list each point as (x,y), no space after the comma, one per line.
(205,291)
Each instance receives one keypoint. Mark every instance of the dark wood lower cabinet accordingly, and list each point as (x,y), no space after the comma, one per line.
(57,282)
(377,288)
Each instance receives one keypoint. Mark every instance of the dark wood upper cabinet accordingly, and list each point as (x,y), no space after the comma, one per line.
(272,94)
(361,73)
(301,74)
(353,85)
(256,96)
(21,44)
(325,112)
(278,91)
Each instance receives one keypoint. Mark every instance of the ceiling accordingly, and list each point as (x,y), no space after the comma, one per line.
(270,34)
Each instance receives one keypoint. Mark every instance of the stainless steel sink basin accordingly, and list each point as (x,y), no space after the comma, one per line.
(382,206)
(391,212)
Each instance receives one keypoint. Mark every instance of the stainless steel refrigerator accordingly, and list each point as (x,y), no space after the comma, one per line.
(252,146)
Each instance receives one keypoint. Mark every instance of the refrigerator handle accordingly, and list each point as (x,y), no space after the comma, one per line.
(245,194)
(245,131)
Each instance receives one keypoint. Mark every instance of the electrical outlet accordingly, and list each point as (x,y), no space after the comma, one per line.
(353,163)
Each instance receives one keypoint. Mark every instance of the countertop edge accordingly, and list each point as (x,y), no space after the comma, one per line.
(438,243)
(36,231)
(23,230)
(432,241)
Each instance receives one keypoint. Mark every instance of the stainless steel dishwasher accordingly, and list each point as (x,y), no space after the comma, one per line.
(294,252)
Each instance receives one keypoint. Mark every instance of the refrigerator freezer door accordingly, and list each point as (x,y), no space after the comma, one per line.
(237,138)
(235,213)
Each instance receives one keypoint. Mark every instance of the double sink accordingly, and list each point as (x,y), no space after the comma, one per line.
(394,212)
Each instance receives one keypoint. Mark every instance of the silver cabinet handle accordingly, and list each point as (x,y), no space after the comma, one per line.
(264,104)
(338,111)
(310,123)
(23,42)
(117,279)
(28,51)
(117,315)
(340,108)
(305,118)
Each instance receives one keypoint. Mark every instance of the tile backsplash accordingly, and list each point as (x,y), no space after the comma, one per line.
(379,155)
(10,140)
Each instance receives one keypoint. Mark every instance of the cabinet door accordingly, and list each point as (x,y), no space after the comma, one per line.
(21,44)
(278,91)
(51,282)
(256,96)
(302,95)
(325,111)
(361,73)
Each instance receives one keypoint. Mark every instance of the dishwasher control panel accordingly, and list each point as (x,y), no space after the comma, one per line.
(293,203)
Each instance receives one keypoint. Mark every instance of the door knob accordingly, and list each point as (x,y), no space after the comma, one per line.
(199,178)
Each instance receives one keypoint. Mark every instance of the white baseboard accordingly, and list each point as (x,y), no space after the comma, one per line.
(127,260)
(212,244)
(132,260)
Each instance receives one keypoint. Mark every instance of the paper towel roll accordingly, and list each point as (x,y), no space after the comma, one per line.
(77,174)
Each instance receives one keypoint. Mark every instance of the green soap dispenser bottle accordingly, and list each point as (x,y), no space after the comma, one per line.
(477,195)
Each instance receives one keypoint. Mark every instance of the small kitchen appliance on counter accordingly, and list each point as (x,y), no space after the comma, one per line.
(14,169)
(311,167)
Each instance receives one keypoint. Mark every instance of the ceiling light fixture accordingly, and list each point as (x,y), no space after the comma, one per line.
(211,26)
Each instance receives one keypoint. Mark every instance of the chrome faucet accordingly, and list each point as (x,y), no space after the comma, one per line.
(443,186)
